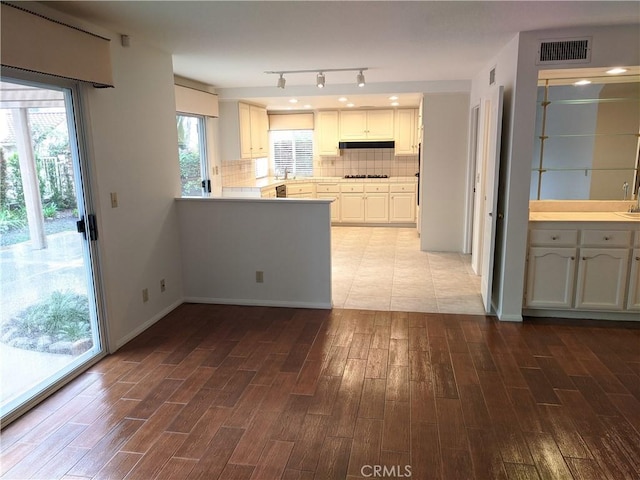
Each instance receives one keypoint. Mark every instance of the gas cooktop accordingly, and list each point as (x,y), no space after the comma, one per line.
(366,176)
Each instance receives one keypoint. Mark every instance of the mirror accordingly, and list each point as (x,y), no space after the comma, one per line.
(587,135)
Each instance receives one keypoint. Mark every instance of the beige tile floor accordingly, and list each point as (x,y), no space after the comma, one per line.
(382,268)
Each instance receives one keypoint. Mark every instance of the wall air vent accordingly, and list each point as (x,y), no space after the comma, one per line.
(567,50)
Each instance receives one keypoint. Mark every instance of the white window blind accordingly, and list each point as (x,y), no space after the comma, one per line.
(292,150)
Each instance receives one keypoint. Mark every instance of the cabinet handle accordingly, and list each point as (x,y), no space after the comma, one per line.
(584,258)
(637,259)
(607,238)
(554,237)
(573,258)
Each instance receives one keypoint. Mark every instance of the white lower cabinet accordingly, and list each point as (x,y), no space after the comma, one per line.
(633,302)
(582,268)
(402,207)
(602,278)
(550,277)
(335,205)
(376,208)
(352,207)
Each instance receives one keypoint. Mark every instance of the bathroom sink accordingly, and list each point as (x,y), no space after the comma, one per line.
(631,215)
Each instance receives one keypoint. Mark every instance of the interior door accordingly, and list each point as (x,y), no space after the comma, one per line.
(492,140)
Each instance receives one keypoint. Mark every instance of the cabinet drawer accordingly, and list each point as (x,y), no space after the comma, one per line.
(605,238)
(352,187)
(328,188)
(299,189)
(376,187)
(553,237)
(402,187)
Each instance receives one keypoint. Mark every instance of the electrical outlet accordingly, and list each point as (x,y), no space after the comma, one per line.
(145,295)
(114,200)
(163,285)
(259,276)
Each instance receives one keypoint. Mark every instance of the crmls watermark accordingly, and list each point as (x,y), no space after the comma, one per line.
(385,471)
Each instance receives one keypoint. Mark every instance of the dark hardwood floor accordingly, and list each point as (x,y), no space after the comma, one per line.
(233,392)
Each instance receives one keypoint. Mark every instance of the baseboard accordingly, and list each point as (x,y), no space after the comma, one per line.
(509,318)
(583,315)
(260,303)
(147,324)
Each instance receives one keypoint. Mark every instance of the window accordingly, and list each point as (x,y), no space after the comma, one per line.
(292,152)
(192,155)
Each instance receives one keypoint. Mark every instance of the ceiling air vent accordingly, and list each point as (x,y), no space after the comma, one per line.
(572,50)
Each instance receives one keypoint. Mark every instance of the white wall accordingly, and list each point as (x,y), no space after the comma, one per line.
(134,153)
(517,71)
(443,171)
(225,241)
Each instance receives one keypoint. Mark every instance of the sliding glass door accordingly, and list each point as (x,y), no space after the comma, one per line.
(49,322)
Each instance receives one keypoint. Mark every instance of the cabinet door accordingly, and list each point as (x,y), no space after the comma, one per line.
(633,302)
(376,208)
(335,205)
(402,207)
(380,124)
(550,277)
(353,125)
(352,207)
(259,132)
(405,132)
(244,118)
(602,278)
(328,133)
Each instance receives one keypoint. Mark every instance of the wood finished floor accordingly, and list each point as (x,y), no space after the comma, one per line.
(268,393)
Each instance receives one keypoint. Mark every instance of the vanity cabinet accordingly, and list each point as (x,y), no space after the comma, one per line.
(633,302)
(327,127)
(366,125)
(582,268)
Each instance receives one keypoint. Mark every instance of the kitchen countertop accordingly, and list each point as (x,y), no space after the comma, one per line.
(268,182)
(580,217)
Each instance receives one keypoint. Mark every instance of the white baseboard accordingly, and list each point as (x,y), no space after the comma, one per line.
(260,303)
(509,318)
(147,324)
(583,315)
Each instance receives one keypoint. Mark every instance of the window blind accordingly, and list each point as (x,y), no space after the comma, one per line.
(292,151)
(38,44)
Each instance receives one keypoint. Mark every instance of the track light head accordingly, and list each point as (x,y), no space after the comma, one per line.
(360,79)
(281,81)
(320,80)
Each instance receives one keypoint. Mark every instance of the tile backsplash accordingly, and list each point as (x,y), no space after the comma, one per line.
(370,161)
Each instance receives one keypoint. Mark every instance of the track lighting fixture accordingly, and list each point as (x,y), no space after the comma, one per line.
(320,78)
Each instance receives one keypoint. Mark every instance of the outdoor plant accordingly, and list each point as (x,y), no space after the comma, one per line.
(63,316)
(50,210)
(12,219)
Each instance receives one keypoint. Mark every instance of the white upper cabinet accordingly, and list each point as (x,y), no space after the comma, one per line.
(327,126)
(254,131)
(406,131)
(366,125)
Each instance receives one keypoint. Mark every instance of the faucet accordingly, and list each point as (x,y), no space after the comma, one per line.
(286,173)
(636,208)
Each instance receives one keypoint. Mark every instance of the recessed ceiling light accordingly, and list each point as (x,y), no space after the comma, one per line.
(350,105)
(395,104)
(293,100)
(342,99)
(582,82)
(616,71)
(393,97)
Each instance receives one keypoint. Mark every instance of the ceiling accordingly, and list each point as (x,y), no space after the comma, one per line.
(230,45)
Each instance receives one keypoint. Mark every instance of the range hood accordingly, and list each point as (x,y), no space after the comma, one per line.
(366,144)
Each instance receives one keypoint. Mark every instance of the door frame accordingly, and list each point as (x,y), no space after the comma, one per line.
(74,93)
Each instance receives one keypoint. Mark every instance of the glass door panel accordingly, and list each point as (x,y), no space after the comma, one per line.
(48,314)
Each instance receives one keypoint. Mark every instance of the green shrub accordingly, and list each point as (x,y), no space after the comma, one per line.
(60,316)
(50,210)
(12,219)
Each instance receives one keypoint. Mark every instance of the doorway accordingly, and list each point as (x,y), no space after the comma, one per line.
(49,319)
